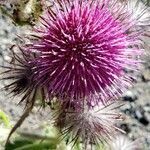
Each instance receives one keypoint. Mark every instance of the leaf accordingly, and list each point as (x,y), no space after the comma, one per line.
(28,144)
(17,143)
(4,119)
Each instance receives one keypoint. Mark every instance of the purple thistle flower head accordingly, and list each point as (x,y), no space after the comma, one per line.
(84,49)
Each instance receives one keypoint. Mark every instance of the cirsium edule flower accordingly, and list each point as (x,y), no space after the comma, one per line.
(90,125)
(83,49)
(21,83)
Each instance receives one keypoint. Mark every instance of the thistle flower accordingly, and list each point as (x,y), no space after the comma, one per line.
(97,124)
(20,73)
(121,142)
(83,49)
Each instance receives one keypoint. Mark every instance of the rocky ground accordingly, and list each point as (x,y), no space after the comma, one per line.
(137,107)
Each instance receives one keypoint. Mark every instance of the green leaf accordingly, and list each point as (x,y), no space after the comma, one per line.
(17,143)
(28,144)
(4,119)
